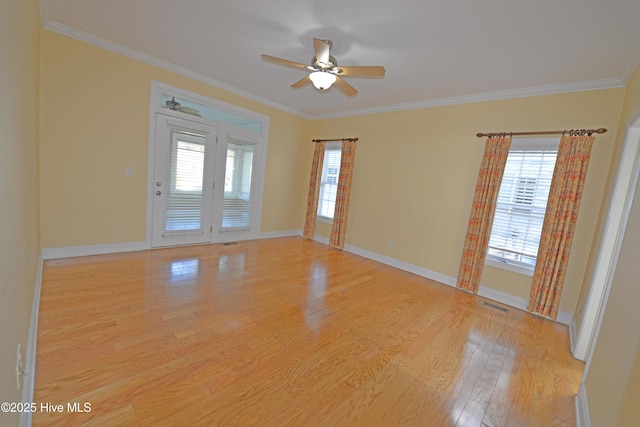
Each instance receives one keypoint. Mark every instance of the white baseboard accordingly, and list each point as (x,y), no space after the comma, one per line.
(565,318)
(73,251)
(582,408)
(28,382)
(573,334)
(519,303)
(503,297)
(402,265)
(283,233)
(483,291)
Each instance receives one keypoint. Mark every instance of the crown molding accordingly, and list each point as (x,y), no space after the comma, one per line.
(74,33)
(607,83)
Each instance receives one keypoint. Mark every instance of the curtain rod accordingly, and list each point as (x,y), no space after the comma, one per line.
(551,132)
(331,140)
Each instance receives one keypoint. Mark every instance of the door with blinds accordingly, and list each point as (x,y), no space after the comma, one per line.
(183,182)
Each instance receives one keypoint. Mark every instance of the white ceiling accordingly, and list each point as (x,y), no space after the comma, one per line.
(435,52)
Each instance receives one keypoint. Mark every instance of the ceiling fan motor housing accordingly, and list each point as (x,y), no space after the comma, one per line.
(325,67)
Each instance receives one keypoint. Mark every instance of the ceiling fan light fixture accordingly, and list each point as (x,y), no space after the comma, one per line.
(322,80)
(324,71)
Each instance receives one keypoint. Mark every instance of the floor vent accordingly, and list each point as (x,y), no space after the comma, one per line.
(230,243)
(497,307)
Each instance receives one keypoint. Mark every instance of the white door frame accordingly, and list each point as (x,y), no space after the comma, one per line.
(224,127)
(614,228)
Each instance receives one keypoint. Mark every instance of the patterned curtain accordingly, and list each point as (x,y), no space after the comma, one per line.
(559,224)
(314,191)
(484,205)
(339,228)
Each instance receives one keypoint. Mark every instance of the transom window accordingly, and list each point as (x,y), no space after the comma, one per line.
(522,203)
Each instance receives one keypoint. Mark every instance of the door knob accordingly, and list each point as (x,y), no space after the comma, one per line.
(158,193)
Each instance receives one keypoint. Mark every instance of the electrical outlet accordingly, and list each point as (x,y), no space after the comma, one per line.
(19,368)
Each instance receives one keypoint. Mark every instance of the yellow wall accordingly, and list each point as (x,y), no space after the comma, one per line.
(630,410)
(19,246)
(612,383)
(416,170)
(94,124)
(414,177)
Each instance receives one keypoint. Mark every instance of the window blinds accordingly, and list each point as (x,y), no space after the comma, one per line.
(329,183)
(236,210)
(521,205)
(185,198)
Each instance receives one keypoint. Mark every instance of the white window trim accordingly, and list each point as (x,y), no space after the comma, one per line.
(493,262)
(523,144)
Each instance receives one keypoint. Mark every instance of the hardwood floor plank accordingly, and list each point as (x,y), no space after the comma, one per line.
(500,400)
(476,407)
(287,332)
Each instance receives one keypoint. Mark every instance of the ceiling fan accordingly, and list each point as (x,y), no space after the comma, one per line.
(325,71)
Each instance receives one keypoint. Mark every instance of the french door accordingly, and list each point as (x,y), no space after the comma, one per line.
(183,189)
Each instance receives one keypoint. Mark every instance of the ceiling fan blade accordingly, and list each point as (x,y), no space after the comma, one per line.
(345,87)
(302,82)
(322,49)
(280,61)
(365,71)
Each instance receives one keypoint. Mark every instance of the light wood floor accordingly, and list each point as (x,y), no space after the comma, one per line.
(288,332)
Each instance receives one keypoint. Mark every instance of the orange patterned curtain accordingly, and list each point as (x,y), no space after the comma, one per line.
(339,228)
(474,253)
(559,224)
(314,191)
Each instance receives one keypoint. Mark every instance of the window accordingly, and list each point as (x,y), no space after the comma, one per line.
(329,182)
(521,205)
(185,198)
(188,164)
(236,208)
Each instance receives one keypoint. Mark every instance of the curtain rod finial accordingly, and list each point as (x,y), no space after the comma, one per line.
(600,130)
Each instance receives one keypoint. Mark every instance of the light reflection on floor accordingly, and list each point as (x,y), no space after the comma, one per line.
(317,289)
(481,365)
(182,272)
(229,262)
